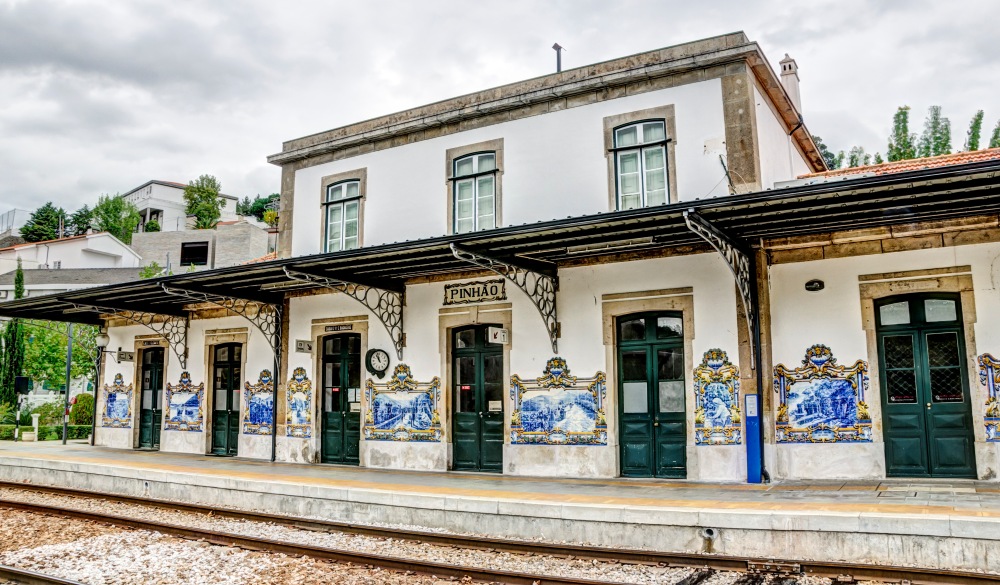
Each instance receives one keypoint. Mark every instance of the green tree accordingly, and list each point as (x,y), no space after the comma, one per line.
(828,157)
(118,217)
(152,270)
(975,132)
(878,159)
(45,352)
(901,141)
(244,207)
(857,157)
(995,138)
(151,226)
(81,221)
(203,201)
(936,138)
(44,223)
(262,204)
(12,350)
(838,161)
(82,411)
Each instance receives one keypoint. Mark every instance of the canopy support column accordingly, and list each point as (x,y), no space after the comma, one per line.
(539,283)
(742,264)
(387,305)
(266,317)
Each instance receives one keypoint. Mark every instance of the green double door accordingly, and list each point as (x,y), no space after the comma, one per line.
(341,408)
(227,376)
(477,401)
(151,399)
(926,411)
(652,433)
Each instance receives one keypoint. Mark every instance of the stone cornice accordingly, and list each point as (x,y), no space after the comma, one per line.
(668,67)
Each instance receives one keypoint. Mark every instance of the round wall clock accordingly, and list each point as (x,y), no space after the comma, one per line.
(377,362)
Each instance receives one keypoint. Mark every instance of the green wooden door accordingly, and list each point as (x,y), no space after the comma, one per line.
(341,408)
(477,396)
(651,412)
(926,411)
(227,377)
(151,400)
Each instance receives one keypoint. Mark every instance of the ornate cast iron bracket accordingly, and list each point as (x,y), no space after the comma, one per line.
(387,305)
(173,330)
(738,261)
(540,287)
(266,317)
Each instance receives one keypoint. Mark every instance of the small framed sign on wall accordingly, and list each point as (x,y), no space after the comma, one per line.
(475,292)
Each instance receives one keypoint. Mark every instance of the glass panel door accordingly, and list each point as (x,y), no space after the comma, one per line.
(151,398)
(478,401)
(226,379)
(341,399)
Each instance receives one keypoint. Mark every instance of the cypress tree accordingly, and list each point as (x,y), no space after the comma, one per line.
(901,142)
(936,138)
(12,358)
(975,132)
(995,139)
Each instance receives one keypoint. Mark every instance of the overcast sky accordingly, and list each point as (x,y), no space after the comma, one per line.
(99,97)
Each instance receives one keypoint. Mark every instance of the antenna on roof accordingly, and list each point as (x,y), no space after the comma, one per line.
(559,51)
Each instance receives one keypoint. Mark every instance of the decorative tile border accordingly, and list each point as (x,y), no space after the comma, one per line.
(259,400)
(403,409)
(298,405)
(717,416)
(117,405)
(989,376)
(558,409)
(821,401)
(185,405)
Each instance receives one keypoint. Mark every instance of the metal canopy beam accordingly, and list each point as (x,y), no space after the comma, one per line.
(173,329)
(540,287)
(266,321)
(737,257)
(387,305)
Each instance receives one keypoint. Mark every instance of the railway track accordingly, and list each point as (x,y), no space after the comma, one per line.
(23,577)
(702,565)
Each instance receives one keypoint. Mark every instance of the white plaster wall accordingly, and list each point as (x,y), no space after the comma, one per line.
(554,166)
(121,337)
(833,317)
(94,251)
(780,159)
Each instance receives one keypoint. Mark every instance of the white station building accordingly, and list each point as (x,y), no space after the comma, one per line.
(609,271)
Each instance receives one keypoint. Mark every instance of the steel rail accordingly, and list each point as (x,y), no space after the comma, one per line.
(26,577)
(827,569)
(400,564)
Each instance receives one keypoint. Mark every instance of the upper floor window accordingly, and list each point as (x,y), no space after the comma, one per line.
(475,186)
(641,163)
(194,253)
(342,212)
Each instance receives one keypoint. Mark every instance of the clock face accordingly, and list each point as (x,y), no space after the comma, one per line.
(379,361)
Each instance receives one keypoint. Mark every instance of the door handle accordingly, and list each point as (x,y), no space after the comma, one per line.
(656,423)
(480,415)
(928,406)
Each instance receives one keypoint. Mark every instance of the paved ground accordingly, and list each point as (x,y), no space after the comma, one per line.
(951,497)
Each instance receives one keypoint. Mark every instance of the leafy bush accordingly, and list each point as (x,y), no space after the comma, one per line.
(7,432)
(82,411)
(51,413)
(152,226)
(7,414)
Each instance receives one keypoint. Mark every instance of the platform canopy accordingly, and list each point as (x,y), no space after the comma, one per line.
(814,207)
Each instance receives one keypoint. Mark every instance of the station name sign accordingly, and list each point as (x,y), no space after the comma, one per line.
(475,292)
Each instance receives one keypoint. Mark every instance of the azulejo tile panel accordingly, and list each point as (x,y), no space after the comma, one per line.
(717,416)
(989,376)
(822,401)
(558,408)
(259,400)
(117,405)
(298,405)
(185,405)
(403,409)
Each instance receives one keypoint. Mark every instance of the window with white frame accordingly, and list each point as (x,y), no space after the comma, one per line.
(342,208)
(475,187)
(641,164)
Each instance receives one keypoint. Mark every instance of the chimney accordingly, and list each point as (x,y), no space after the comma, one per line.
(790,80)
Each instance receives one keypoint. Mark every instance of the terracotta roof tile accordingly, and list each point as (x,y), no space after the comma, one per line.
(264,258)
(914,164)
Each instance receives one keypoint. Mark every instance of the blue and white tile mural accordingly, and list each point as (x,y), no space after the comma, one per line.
(403,409)
(184,405)
(558,409)
(117,405)
(822,401)
(989,376)
(259,400)
(298,405)
(717,417)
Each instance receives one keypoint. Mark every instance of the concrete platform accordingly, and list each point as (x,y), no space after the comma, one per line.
(929,523)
